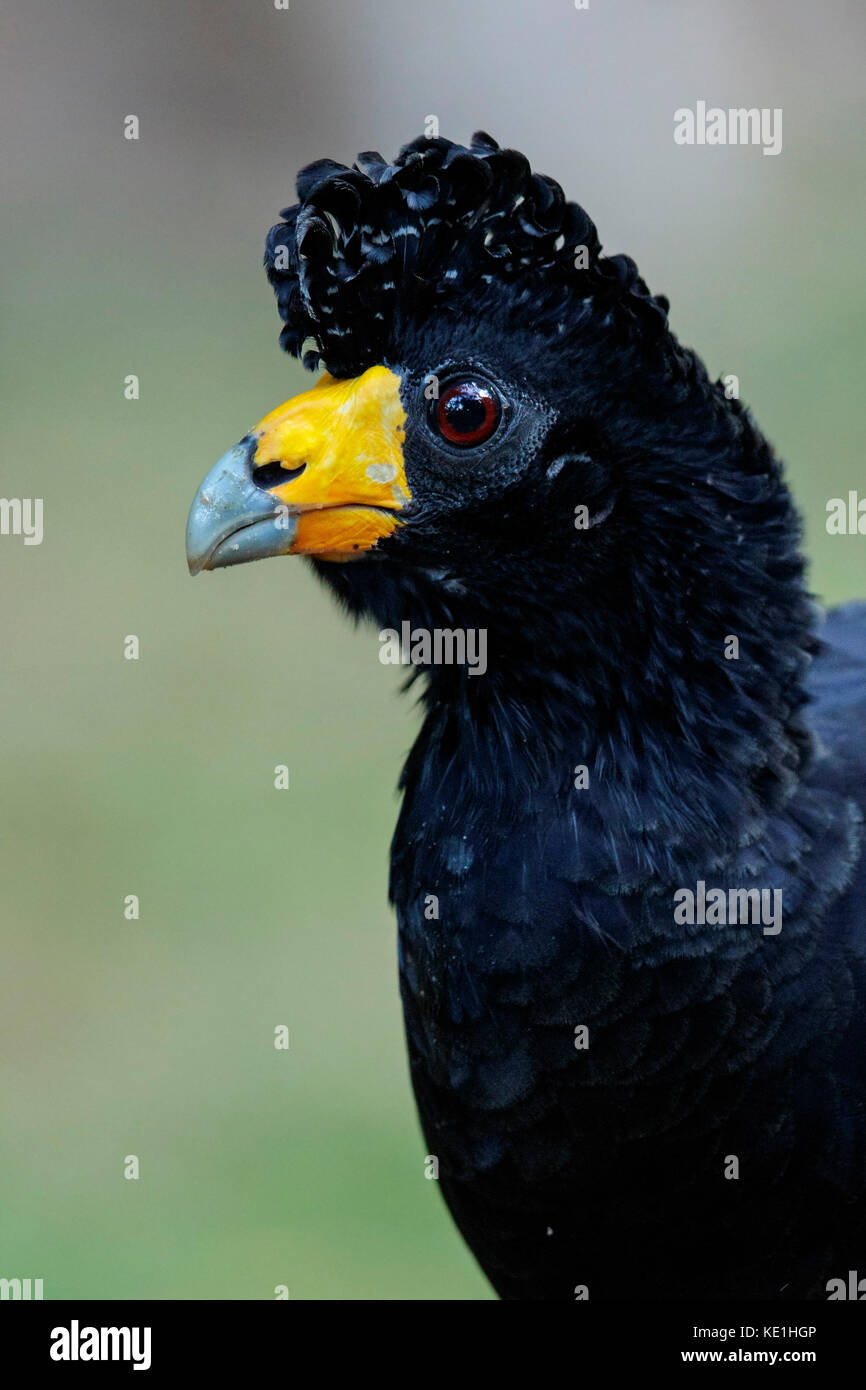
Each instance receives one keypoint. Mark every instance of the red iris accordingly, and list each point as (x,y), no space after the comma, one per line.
(466,413)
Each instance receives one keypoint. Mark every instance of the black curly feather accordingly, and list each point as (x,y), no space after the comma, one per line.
(367,241)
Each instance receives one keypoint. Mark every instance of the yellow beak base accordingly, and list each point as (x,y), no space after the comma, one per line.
(349,436)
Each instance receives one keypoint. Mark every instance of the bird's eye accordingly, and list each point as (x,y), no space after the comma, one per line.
(466,412)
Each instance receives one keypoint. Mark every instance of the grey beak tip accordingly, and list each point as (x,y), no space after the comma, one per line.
(232,520)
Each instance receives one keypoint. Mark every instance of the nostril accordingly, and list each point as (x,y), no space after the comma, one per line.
(270,475)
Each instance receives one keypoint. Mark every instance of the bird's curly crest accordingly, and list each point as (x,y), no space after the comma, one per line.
(439,223)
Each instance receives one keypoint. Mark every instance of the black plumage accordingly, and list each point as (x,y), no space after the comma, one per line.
(602,1167)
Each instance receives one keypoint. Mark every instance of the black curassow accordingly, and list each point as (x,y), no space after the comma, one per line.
(627,1096)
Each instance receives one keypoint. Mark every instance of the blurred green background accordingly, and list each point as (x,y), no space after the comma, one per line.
(155,776)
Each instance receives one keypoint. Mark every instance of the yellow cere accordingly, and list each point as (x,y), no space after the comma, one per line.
(349,434)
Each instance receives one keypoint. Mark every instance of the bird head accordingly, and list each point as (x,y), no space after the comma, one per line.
(478,348)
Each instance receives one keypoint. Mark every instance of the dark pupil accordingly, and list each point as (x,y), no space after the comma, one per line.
(465,412)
